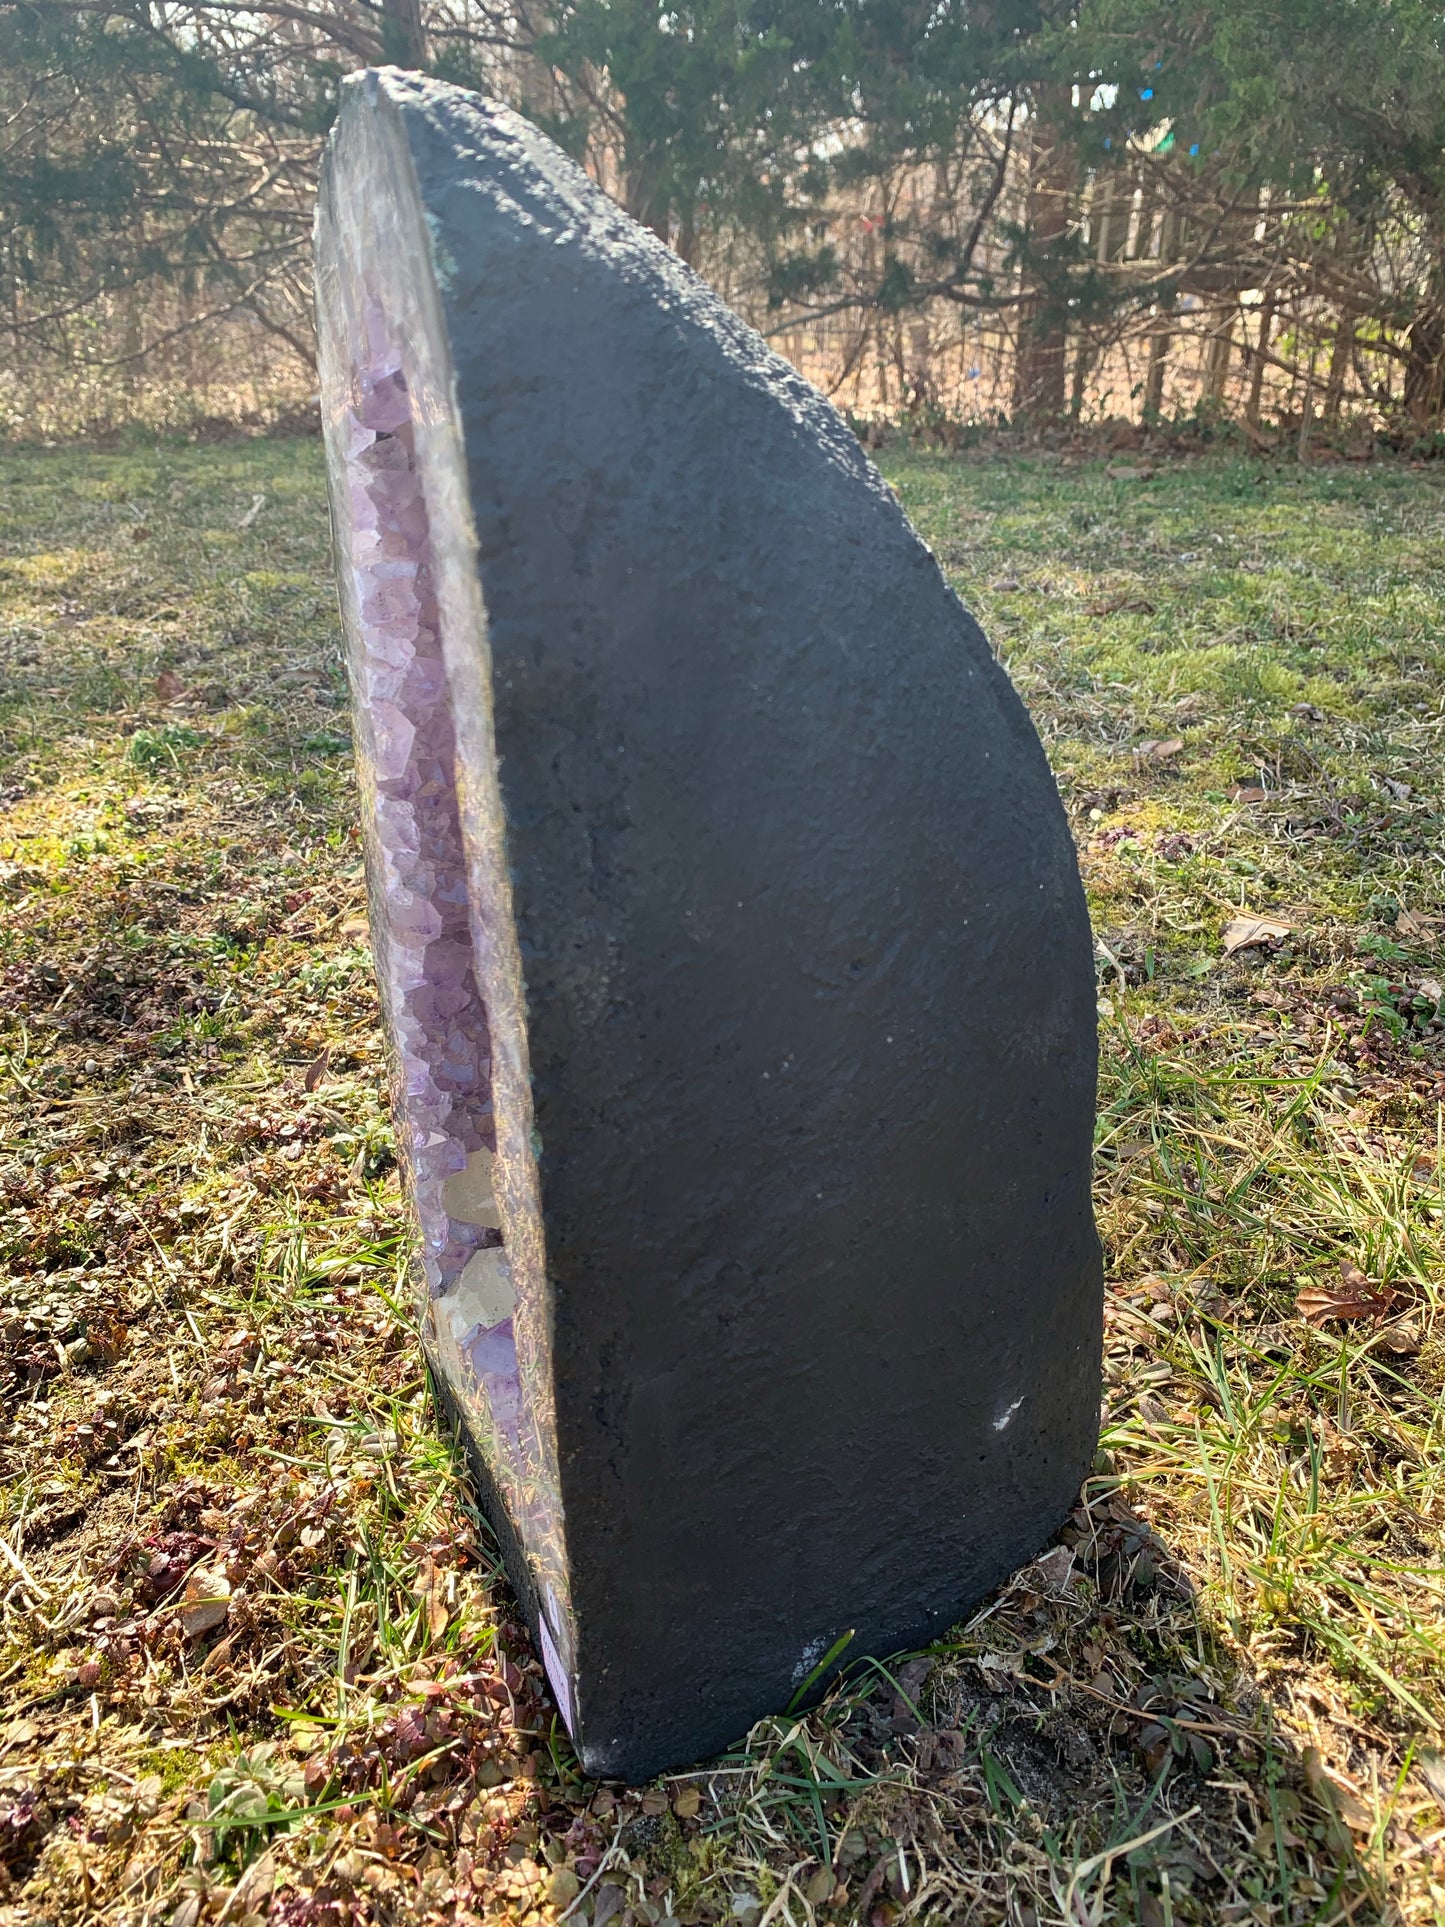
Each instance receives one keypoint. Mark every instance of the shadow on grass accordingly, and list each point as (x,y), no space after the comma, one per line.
(1081,1750)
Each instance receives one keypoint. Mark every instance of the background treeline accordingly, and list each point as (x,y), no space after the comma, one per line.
(950,209)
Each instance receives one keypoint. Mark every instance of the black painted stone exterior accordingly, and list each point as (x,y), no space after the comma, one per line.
(809,988)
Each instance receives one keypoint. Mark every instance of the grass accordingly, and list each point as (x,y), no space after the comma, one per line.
(255,1658)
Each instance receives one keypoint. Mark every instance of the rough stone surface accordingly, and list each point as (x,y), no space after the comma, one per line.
(750,1142)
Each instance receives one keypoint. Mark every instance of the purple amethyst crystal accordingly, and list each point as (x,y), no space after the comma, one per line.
(424,924)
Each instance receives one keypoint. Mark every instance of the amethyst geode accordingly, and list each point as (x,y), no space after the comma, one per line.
(731,943)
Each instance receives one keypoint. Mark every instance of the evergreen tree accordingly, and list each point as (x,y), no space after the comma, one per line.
(1337,109)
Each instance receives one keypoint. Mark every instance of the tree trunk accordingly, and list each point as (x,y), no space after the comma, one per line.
(1256,378)
(1039,375)
(1216,364)
(1307,417)
(1425,368)
(645,198)
(1083,362)
(1339,364)
(1159,345)
(403,34)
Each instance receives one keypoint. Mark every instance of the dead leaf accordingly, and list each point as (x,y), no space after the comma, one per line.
(258,502)
(1056,1566)
(1253,933)
(252,1890)
(1401,1341)
(169,686)
(1430,1765)
(205,1601)
(1410,924)
(1157,750)
(1394,787)
(1353,1297)
(819,1890)
(315,1072)
(1120,605)
(430,1589)
(563,1887)
(686,1801)
(1248,793)
(1334,1792)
